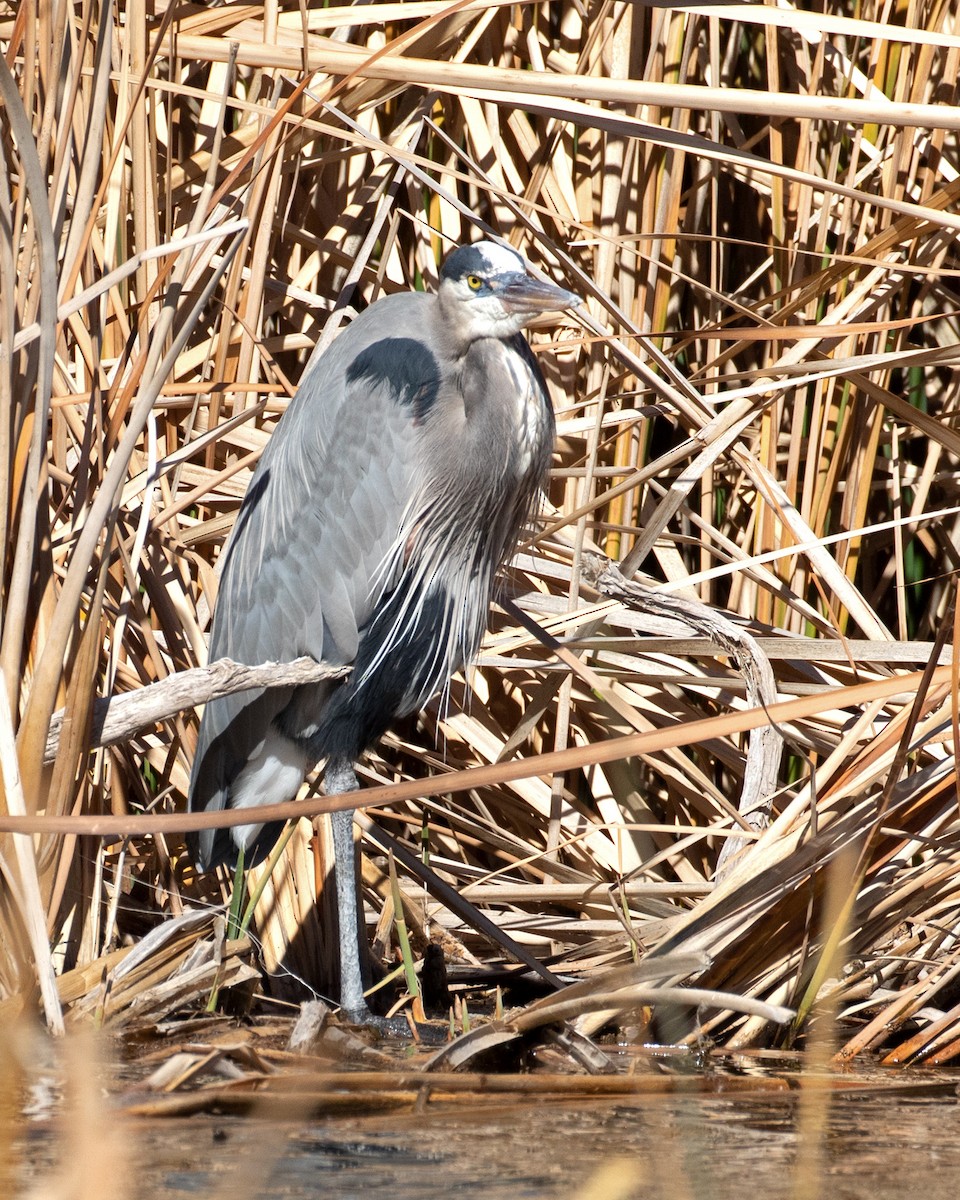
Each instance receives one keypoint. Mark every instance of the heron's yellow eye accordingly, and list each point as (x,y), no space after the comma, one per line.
(474,283)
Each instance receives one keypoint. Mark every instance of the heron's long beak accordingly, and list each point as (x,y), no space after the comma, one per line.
(524,294)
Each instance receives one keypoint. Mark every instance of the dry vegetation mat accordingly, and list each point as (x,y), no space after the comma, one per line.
(757,415)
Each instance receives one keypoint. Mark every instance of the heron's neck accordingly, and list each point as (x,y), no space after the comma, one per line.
(462,326)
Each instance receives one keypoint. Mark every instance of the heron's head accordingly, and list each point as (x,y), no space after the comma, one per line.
(486,290)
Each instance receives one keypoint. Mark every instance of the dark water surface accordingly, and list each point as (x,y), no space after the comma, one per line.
(746,1127)
(890,1143)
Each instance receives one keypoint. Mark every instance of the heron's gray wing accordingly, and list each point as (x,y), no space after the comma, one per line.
(323,511)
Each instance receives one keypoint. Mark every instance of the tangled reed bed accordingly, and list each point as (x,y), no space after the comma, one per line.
(757,409)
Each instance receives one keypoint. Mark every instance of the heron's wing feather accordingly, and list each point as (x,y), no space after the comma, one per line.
(323,511)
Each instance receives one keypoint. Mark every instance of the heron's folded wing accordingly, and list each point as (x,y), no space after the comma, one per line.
(322,513)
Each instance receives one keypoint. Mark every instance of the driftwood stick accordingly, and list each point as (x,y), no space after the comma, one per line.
(119,718)
(765,745)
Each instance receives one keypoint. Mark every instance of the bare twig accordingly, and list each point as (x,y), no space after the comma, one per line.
(119,718)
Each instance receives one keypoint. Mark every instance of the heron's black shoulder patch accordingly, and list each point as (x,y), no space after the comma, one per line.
(408,367)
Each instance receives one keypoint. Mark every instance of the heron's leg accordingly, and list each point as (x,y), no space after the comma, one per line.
(348,915)
(338,780)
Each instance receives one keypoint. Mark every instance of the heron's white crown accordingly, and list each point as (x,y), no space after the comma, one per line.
(500,260)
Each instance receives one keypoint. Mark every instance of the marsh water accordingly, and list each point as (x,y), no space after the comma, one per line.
(893,1138)
(667,1146)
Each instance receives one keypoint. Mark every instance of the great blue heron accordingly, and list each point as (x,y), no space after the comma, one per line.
(371,535)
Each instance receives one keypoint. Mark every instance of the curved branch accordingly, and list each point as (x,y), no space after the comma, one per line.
(765,745)
(119,718)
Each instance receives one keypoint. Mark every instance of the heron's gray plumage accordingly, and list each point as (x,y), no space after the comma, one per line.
(380,512)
